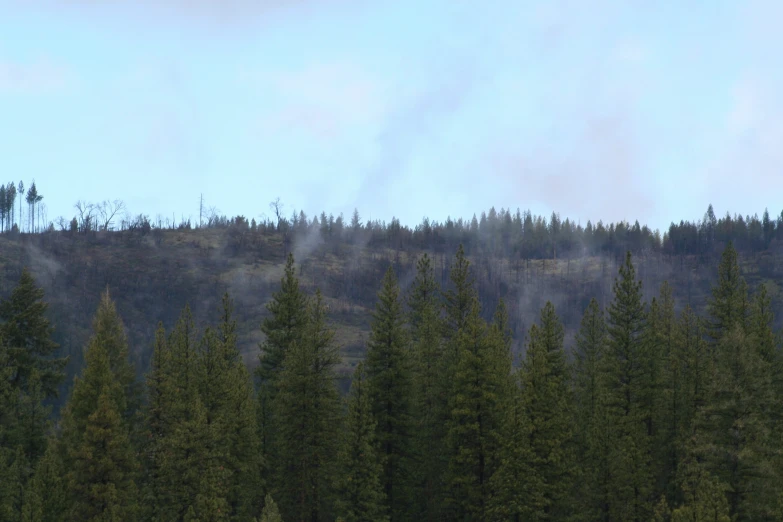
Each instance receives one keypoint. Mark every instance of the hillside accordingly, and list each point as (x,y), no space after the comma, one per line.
(153,275)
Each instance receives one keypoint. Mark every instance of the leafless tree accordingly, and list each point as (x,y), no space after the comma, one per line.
(62,223)
(213,216)
(86,211)
(277,207)
(108,210)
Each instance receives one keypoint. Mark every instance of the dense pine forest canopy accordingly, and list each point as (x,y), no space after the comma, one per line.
(509,367)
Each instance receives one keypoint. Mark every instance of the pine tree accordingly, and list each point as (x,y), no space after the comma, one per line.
(360,494)
(227,393)
(762,337)
(664,375)
(588,414)
(390,386)
(96,447)
(547,403)
(187,471)
(430,393)
(628,397)
(729,302)
(155,422)
(514,480)
(458,299)
(687,374)
(284,325)
(270,512)
(307,418)
(704,497)
(102,483)
(13,477)
(282,328)
(108,330)
(47,495)
(28,336)
(480,395)
(732,430)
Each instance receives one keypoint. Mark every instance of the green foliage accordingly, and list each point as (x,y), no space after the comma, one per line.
(270,512)
(307,418)
(481,391)
(360,493)
(282,328)
(547,405)
(728,305)
(284,325)
(704,497)
(187,475)
(430,392)
(732,432)
(459,298)
(629,392)
(101,464)
(28,336)
(227,394)
(47,496)
(590,415)
(390,385)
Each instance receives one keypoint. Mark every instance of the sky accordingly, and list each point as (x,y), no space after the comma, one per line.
(611,110)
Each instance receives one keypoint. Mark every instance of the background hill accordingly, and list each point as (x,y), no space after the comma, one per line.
(154,271)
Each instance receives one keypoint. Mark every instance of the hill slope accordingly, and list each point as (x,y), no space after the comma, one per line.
(152,276)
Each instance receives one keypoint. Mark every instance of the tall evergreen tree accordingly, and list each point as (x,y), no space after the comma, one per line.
(282,328)
(687,374)
(732,431)
(270,512)
(307,418)
(227,394)
(728,304)
(704,497)
(547,403)
(459,298)
(187,465)
(109,330)
(430,391)
(28,337)
(480,395)
(360,493)
(96,447)
(390,386)
(47,494)
(662,378)
(628,401)
(589,415)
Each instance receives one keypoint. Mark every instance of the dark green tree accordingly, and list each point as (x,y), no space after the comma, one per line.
(307,418)
(481,393)
(227,394)
(459,298)
(96,447)
(588,414)
(547,402)
(28,337)
(360,495)
(430,392)
(390,387)
(732,429)
(282,328)
(270,512)
(187,478)
(629,392)
(728,304)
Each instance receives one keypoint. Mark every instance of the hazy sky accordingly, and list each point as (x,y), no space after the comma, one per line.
(596,109)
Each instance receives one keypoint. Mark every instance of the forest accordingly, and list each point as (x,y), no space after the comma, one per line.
(651,411)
